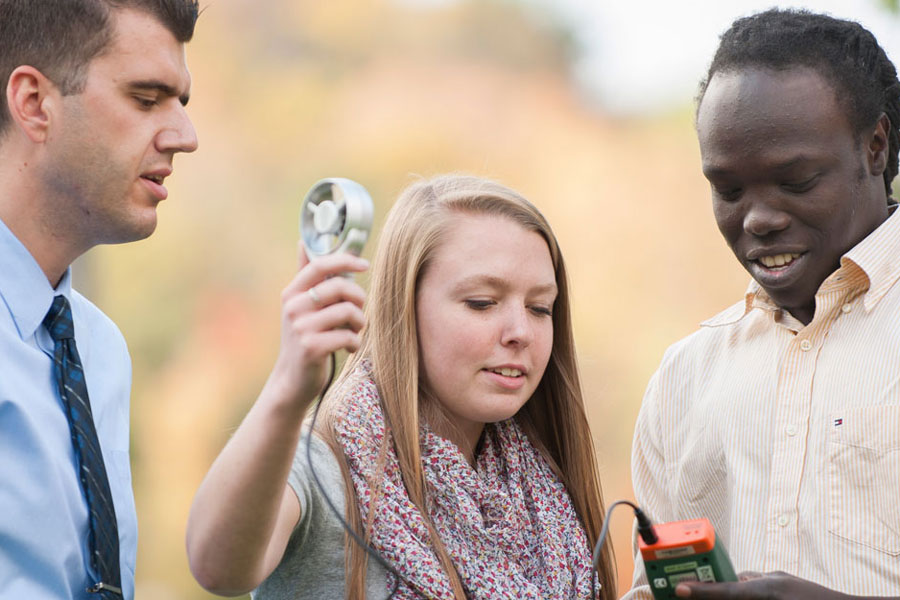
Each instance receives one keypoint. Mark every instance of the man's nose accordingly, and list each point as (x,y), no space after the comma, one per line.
(764,216)
(179,134)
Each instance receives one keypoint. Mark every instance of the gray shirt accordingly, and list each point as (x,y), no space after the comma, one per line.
(313,562)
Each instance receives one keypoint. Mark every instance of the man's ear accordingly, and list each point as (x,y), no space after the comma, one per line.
(877,146)
(31,98)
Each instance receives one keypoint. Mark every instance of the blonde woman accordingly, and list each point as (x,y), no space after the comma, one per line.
(454,442)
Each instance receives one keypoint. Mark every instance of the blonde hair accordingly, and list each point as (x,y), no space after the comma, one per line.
(553,418)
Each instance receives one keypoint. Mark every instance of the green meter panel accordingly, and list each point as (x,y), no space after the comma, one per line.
(685,551)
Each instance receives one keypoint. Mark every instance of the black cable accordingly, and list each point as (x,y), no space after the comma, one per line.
(356,537)
(645,528)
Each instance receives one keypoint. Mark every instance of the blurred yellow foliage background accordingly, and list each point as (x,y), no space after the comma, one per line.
(288,92)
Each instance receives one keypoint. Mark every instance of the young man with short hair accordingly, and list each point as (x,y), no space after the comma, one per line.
(779,420)
(92,115)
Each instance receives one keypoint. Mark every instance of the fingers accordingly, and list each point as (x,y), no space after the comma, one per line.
(318,285)
(306,317)
(706,591)
(325,267)
(756,586)
(326,342)
(317,302)
(321,313)
(718,591)
(314,296)
(332,291)
(334,303)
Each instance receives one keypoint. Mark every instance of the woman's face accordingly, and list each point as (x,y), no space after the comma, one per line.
(483,311)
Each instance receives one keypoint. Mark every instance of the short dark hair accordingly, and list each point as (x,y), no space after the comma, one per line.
(844,52)
(61,37)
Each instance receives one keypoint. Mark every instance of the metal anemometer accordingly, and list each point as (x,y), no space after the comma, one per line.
(336,216)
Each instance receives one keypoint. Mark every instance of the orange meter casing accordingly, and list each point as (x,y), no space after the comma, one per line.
(685,551)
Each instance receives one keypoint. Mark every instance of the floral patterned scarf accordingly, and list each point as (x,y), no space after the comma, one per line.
(508,525)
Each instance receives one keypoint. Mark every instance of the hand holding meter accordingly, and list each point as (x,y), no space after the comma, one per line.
(684,551)
(335,217)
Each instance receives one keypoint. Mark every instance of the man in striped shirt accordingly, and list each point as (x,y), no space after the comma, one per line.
(779,420)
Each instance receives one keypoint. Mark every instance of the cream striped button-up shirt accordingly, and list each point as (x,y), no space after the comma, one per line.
(787,437)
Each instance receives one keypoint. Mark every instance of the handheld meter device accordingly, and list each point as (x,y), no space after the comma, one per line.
(336,216)
(684,551)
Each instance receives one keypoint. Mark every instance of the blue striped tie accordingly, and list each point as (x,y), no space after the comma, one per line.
(104,533)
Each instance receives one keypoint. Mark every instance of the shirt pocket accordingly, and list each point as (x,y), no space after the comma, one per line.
(864,476)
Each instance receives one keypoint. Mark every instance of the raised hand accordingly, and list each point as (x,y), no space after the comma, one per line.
(244,512)
(321,313)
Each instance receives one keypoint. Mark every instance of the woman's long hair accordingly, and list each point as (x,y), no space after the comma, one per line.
(553,418)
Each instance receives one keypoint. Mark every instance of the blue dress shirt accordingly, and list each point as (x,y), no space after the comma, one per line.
(43,513)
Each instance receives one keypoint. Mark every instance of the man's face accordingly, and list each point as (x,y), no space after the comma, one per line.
(793,187)
(114,142)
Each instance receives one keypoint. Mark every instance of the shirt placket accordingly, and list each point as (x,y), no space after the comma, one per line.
(796,375)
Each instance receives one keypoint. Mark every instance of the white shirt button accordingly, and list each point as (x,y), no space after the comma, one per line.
(783,520)
(805,345)
(846,308)
(791,429)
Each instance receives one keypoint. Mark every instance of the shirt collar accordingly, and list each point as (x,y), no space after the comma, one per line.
(23,286)
(878,256)
(874,263)
(755,297)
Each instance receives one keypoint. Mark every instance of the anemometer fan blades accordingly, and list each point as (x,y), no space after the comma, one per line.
(336,216)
